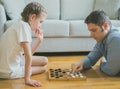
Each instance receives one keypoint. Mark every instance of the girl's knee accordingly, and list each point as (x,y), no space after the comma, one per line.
(43,69)
(45,59)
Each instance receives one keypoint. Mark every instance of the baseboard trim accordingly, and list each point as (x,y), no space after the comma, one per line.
(60,53)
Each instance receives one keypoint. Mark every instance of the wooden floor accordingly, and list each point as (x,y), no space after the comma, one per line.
(95,79)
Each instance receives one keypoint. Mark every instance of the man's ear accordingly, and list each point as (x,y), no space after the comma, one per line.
(105,26)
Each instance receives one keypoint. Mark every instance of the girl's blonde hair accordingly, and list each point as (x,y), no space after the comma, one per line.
(32,8)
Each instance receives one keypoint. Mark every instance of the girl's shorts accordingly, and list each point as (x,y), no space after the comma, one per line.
(19,73)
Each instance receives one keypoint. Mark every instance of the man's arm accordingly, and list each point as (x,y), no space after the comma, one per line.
(89,61)
(112,66)
(92,57)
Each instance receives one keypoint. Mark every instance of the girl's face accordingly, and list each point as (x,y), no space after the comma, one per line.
(36,21)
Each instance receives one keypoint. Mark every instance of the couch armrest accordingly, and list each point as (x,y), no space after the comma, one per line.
(119,14)
(2,19)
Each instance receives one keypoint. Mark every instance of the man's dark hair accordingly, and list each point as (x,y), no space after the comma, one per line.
(98,17)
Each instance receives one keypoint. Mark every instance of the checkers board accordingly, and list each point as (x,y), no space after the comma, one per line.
(64,74)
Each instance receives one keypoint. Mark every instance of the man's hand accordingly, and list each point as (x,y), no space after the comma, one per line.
(33,83)
(77,66)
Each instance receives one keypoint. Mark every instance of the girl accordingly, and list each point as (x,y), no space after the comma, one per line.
(16,58)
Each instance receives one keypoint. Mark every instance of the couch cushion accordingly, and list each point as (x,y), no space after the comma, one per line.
(13,8)
(52,7)
(109,6)
(116,23)
(55,28)
(78,29)
(76,9)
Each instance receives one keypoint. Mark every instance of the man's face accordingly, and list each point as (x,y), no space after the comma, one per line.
(97,32)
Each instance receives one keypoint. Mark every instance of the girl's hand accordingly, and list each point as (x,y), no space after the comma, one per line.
(33,83)
(39,34)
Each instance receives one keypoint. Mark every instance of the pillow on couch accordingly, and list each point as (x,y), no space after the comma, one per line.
(13,8)
(109,6)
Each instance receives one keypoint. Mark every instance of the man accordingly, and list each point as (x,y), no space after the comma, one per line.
(108,45)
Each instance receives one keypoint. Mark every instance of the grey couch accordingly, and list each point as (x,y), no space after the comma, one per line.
(64,29)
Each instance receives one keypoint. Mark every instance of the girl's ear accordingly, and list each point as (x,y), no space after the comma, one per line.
(32,16)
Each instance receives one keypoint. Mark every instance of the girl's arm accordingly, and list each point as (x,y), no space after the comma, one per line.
(28,62)
(39,35)
(28,59)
